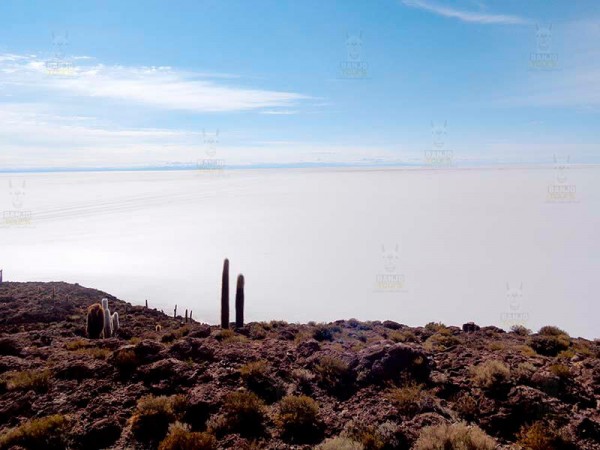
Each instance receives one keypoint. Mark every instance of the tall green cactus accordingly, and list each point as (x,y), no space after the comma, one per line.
(225,296)
(239,302)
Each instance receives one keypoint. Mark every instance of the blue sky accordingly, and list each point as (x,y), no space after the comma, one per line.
(150,84)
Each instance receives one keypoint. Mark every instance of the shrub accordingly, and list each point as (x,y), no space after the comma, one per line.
(256,376)
(549,330)
(340,443)
(153,416)
(520,330)
(523,372)
(94,352)
(372,437)
(549,345)
(540,436)
(228,336)
(561,371)
(76,344)
(408,399)
(125,361)
(441,341)
(242,412)
(334,375)
(467,406)
(181,438)
(46,433)
(298,418)
(325,332)
(491,374)
(403,336)
(436,327)
(28,380)
(458,436)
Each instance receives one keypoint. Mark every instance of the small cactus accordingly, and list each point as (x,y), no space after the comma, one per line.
(107,319)
(191,315)
(225,296)
(115,322)
(175,312)
(0,276)
(95,321)
(146,303)
(186,316)
(239,302)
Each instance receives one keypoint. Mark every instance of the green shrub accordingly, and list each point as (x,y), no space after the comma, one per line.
(325,332)
(242,412)
(408,399)
(436,327)
(550,330)
(181,438)
(520,330)
(549,345)
(458,436)
(561,371)
(340,443)
(153,415)
(491,374)
(466,405)
(373,437)
(257,378)
(125,360)
(298,418)
(46,433)
(540,436)
(38,381)
(441,341)
(334,375)
(403,336)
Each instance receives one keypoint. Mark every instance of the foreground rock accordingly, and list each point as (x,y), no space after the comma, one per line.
(381,385)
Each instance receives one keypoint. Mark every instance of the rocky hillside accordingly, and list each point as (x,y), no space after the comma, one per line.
(163,383)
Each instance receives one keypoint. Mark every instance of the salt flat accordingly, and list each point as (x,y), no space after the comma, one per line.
(496,246)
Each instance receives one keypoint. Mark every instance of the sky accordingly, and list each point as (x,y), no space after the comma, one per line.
(268,83)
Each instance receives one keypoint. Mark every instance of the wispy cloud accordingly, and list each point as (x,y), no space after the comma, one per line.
(159,87)
(466,16)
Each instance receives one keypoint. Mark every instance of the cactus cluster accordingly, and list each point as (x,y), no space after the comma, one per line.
(95,321)
(239,299)
(100,322)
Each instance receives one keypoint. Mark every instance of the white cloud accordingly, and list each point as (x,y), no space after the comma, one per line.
(159,87)
(466,16)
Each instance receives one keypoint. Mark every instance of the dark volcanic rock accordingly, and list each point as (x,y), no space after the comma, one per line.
(381,363)
(193,348)
(470,327)
(101,434)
